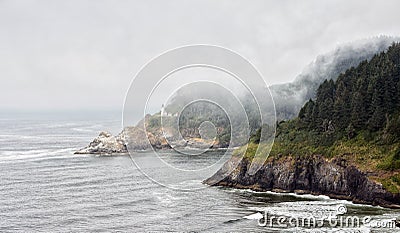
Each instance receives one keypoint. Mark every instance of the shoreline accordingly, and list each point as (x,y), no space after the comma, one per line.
(308,195)
(311,176)
(108,154)
(301,195)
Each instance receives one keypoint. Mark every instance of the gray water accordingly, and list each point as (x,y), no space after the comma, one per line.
(44,187)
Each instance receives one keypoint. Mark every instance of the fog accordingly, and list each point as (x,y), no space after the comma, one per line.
(290,97)
(74,55)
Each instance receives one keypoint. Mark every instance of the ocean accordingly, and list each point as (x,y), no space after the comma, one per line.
(44,187)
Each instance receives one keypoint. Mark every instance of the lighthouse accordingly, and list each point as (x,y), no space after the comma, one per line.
(162,110)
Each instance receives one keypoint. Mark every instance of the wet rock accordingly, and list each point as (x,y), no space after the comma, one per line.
(311,174)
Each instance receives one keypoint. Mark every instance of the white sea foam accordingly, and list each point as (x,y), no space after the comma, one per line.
(254,216)
(90,128)
(33,154)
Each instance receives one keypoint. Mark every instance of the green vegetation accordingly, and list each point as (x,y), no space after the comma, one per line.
(356,117)
(392,184)
(363,98)
(389,186)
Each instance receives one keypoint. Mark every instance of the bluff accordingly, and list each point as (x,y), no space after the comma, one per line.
(288,98)
(308,175)
(345,143)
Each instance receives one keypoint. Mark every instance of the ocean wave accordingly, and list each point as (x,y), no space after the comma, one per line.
(33,154)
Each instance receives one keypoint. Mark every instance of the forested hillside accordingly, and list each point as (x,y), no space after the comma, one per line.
(290,97)
(355,118)
(363,98)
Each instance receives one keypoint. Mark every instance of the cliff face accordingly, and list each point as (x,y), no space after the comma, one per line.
(313,174)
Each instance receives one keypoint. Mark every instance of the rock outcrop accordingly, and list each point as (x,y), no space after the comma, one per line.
(136,138)
(311,175)
(132,138)
(105,143)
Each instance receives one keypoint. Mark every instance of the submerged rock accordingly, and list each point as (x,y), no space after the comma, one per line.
(307,175)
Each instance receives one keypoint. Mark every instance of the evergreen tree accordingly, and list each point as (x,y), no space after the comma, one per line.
(362,98)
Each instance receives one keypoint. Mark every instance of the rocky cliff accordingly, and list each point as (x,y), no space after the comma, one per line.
(312,175)
(105,143)
(137,139)
(134,138)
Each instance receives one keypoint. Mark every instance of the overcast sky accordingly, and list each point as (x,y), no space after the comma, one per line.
(83,54)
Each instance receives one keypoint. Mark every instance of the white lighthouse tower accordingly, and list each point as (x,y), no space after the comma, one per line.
(163,113)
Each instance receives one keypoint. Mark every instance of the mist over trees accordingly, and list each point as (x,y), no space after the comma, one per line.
(356,117)
(207,102)
(363,98)
(350,103)
(290,97)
